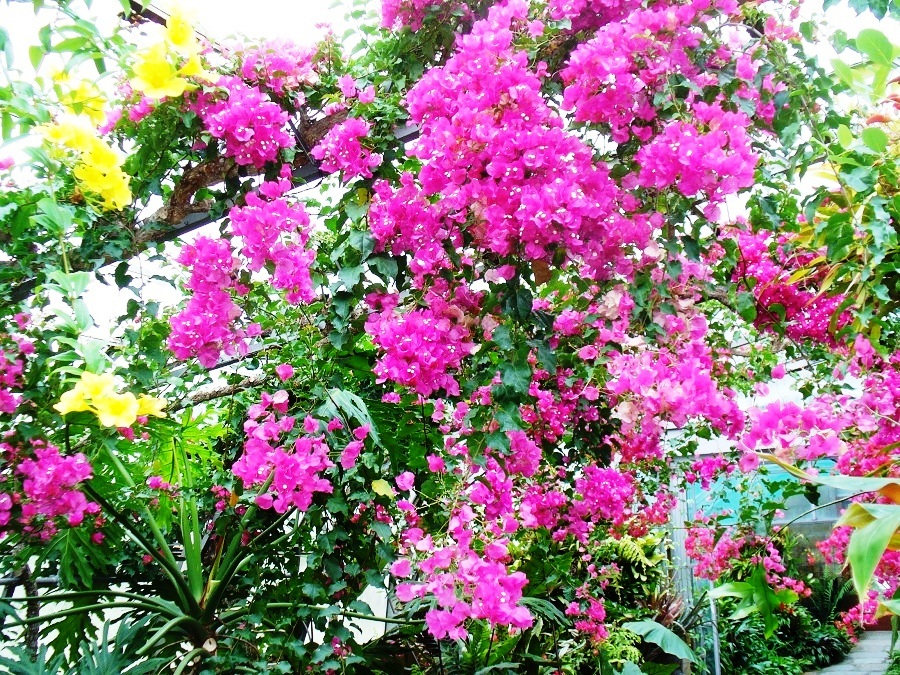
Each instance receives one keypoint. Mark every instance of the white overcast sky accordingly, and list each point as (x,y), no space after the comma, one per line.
(298,20)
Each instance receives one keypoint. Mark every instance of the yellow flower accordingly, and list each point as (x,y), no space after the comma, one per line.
(71,401)
(72,131)
(110,184)
(101,156)
(193,67)
(116,410)
(150,405)
(85,99)
(97,393)
(118,195)
(154,76)
(180,33)
(96,386)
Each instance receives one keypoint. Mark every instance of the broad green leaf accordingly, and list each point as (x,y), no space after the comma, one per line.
(845,136)
(57,219)
(879,81)
(768,601)
(516,376)
(874,44)
(505,666)
(756,596)
(95,359)
(82,315)
(36,56)
(843,71)
(655,633)
(6,47)
(875,526)
(889,487)
(875,139)
(347,405)
(746,306)
(734,589)
(629,668)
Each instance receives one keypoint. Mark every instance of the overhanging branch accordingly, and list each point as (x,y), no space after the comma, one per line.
(182,215)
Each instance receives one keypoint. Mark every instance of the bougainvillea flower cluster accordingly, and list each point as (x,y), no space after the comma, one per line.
(250,125)
(292,471)
(39,489)
(341,150)
(207,326)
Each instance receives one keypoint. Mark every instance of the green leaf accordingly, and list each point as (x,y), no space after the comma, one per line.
(875,139)
(874,44)
(855,484)
(356,211)
(746,306)
(495,667)
(657,634)
(345,404)
(879,82)
(36,56)
(121,275)
(350,276)
(83,317)
(6,47)
(501,337)
(516,376)
(734,589)
(845,136)
(869,542)
(878,7)
(384,266)
(55,218)
(843,71)
(629,668)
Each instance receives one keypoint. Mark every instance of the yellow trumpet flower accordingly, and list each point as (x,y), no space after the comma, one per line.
(71,401)
(180,33)
(97,394)
(116,410)
(155,76)
(150,405)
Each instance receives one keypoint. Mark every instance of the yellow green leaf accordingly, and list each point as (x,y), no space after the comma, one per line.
(381,487)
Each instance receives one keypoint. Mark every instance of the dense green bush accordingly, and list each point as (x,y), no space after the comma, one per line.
(894,668)
(800,643)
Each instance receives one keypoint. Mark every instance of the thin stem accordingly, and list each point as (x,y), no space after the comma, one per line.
(81,610)
(487,658)
(65,256)
(229,616)
(163,607)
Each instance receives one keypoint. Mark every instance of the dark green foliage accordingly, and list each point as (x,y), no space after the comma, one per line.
(800,643)
(894,668)
(830,595)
